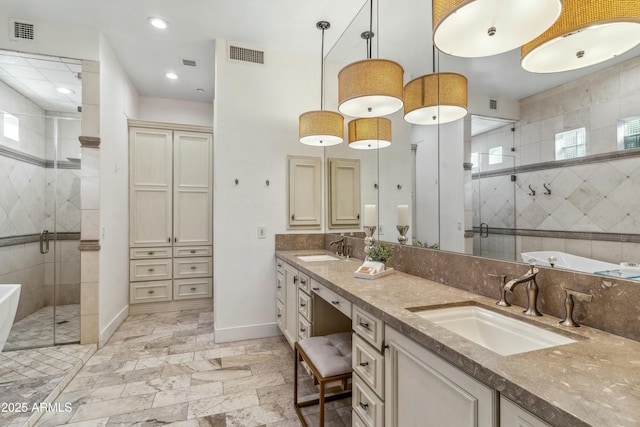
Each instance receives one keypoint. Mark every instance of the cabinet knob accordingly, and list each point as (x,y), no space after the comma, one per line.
(279,287)
(279,265)
(302,329)
(303,281)
(151,270)
(364,406)
(168,239)
(193,289)
(302,305)
(149,253)
(193,251)
(279,315)
(151,292)
(364,325)
(293,217)
(316,289)
(364,363)
(335,302)
(193,267)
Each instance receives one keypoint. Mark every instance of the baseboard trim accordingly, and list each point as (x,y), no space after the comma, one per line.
(161,307)
(106,333)
(248,332)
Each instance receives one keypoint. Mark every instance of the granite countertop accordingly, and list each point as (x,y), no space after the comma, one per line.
(592,382)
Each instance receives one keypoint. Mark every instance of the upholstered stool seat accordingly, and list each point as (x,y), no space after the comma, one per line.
(329,359)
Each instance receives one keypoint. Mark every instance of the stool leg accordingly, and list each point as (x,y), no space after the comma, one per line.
(295,377)
(321,397)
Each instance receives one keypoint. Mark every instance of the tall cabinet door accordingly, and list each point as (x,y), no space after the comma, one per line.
(150,182)
(192,204)
(305,200)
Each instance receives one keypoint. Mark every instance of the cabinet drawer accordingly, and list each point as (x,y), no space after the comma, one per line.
(369,327)
(150,291)
(191,267)
(279,265)
(147,253)
(366,404)
(304,305)
(280,321)
(304,283)
(304,328)
(357,422)
(186,251)
(368,364)
(149,269)
(332,298)
(192,288)
(280,286)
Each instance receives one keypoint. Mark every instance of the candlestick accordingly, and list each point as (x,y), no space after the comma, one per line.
(403,215)
(368,240)
(402,229)
(370,216)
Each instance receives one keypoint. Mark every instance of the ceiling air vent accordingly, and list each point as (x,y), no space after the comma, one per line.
(23,30)
(493,104)
(189,62)
(243,54)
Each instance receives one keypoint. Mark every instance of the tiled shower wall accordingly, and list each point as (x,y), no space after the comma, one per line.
(24,188)
(594,197)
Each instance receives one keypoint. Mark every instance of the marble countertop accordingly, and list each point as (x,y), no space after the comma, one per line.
(592,382)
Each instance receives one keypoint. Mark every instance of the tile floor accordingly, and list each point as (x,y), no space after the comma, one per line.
(165,369)
(37,329)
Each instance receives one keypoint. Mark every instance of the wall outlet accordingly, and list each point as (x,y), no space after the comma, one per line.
(262,232)
(459,225)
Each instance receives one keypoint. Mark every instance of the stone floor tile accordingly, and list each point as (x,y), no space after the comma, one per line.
(149,417)
(156,384)
(224,403)
(187,394)
(108,408)
(219,375)
(253,382)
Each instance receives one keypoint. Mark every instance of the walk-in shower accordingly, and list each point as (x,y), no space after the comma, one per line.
(40,196)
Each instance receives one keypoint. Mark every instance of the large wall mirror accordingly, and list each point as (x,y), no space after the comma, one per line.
(542,162)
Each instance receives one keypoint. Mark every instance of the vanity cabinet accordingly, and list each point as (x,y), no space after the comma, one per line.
(170,215)
(304,202)
(513,415)
(419,385)
(368,361)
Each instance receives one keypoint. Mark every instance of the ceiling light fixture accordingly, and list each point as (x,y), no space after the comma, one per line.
(64,90)
(586,33)
(158,23)
(369,133)
(372,87)
(435,98)
(171,76)
(488,27)
(320,127)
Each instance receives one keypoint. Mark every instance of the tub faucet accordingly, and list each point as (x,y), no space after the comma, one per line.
(532,290)
(339,246)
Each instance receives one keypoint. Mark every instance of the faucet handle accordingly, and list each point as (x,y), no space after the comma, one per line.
(502,302)
(569,304)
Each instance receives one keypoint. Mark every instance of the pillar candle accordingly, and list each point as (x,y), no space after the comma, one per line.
(370,216)
(403,215)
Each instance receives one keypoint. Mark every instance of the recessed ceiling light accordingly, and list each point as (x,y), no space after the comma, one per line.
(159,23)
(200,90)
(171,76)
(65,90)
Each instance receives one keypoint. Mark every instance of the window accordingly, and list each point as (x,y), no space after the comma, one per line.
(495,155)
(630,133)
(571,144)
(11,128)
(475,161)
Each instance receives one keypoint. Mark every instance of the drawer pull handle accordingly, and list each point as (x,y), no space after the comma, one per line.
(151,292)
(279,315)
(279,287)
(279,265)
(193,289)
(295,279)
(151,270)
(193,251)
(193,267)
(364,364)
(302,304)
(149,253)
(364,406)
(302,329)
(364,325)
(335,302)
(316,289)
(303,281)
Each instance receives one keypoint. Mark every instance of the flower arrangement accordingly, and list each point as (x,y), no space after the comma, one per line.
(380,253)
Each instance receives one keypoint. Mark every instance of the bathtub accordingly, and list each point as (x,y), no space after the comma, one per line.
(9,296)
(568,261)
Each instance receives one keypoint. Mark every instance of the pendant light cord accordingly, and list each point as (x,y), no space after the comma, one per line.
(369,41)
(322,72)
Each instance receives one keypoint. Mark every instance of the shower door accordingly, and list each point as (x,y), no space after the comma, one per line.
(494,213)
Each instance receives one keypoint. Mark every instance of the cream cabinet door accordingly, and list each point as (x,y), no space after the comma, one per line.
(305,201)
(150,182)
(423,390)
(344,193)
(291,304)
(192,208)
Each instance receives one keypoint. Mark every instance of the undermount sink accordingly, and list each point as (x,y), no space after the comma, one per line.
(316,258)
(497,332)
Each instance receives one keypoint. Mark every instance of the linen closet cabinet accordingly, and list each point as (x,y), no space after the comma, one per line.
(170,216)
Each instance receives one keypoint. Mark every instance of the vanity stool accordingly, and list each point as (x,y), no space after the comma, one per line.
(329,358)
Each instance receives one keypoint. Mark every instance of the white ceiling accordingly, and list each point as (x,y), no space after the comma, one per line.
(403,33)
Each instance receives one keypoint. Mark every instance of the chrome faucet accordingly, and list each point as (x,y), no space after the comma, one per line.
(339,246)
(532,290)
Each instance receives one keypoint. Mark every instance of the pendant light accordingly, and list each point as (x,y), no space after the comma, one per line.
(321,128)
(369,133)
(372,87)
(586,33)
(475,28)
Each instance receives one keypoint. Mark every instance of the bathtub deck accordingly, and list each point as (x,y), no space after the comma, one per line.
(37,376)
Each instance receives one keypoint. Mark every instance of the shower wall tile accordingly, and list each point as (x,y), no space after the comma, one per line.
(91,120)
(89,301)
(89,266)
(16,269)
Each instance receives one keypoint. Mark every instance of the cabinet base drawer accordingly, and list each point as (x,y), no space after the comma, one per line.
(186,251)
(191,267)
(149,269)
(332,298)
(150,291)
(366,404)
(192,288)
(147,253)
(368,364)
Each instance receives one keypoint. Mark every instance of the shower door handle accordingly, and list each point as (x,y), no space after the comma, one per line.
(44,241)
(484,226)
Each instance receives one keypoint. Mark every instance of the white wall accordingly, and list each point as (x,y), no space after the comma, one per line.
(256,125)
(175,111)
(427,188)
(118,101)
(452,187)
